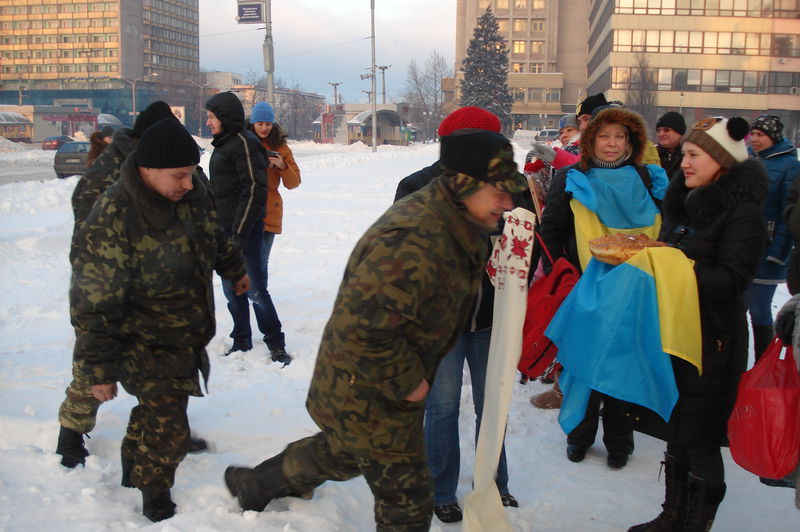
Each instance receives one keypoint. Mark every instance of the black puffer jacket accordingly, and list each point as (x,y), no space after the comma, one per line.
(238,167)
(721,227)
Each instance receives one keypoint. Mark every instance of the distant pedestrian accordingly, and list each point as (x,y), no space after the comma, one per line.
(669,130)
(281,168)
(238,172)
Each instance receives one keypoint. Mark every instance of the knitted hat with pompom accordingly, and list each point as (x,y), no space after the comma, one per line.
(721,138)
(470,117)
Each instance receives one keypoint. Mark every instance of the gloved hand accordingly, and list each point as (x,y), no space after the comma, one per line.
(543,151)
(784,327)
(534,166)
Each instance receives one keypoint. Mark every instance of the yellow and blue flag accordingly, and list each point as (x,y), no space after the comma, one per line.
(618,326)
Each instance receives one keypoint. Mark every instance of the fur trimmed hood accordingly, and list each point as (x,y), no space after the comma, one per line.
(637,133)
(744,182)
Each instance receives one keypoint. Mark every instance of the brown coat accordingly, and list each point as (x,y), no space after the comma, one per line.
(273,221)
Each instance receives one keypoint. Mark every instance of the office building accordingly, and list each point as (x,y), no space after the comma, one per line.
(119,54)
(699,57)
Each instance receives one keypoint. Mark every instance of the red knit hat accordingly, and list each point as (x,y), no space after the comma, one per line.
(469,118)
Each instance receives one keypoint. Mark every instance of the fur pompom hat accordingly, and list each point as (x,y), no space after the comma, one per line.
(721,138)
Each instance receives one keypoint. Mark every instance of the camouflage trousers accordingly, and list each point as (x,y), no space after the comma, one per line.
(78,411)
(402,486)
(157,439)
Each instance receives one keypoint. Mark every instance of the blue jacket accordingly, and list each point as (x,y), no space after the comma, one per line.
(782,166)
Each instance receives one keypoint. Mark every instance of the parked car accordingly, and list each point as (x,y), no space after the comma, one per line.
(54,143)
(71,158)
(547,135)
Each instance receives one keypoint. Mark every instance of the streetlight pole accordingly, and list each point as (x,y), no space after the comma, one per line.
(372,69)
(334,85)
(383,68)
(132,83)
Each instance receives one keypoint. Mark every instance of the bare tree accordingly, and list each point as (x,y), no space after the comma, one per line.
(424,92)
(642,89)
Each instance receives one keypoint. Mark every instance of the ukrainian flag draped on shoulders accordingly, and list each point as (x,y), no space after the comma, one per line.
(618,326)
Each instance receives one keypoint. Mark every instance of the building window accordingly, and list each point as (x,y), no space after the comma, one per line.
(536,95)
(518,47)
(517,67)
(553,95)
(501,4)
(537,24)
(520,4)
(519,95)
(786,45)
(502,25)
(537,47)
(537,68)
(537,4)
(520,24)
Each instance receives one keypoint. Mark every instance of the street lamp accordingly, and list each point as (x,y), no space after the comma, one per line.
(132,83)
(202,88)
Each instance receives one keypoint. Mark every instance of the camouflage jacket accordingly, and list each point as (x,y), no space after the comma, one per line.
(103,173)
(141,298)
(405,297)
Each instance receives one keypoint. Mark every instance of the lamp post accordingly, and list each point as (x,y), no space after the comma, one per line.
(383,68)
(202,88)
(335,95)
(132,83)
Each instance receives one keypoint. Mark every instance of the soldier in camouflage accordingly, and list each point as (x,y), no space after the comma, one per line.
(78,412)
(404,300)
(142,303)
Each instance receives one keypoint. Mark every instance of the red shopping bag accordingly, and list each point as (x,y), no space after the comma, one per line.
(764,427)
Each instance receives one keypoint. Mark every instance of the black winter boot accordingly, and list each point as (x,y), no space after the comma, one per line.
(197,445)
(255,488)
(127,469)
(703,502)
(71,448)
(157,505)
(674,506)
(279,354)
(762,336)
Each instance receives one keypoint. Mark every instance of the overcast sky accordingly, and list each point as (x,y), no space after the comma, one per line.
(321,41)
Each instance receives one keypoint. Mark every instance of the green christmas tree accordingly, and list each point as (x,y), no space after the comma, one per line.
(485,67)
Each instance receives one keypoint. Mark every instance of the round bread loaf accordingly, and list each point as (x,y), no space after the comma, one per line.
(618,248)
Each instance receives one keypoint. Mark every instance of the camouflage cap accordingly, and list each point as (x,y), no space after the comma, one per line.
(484,156)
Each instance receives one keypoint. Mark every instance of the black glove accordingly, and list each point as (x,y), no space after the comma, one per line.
(784,327)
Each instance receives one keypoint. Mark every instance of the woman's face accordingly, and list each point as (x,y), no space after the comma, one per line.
(611,143)
(262,129)
(699,168)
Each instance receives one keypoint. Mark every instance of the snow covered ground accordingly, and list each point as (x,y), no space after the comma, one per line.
(254,407)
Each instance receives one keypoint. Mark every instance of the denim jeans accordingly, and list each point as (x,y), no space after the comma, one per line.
(256,258)
(758,298)
(441,414)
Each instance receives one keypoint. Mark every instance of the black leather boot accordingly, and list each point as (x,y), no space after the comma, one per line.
(255,488)
(674,506)
(71,448)
(157,505)
(703,501)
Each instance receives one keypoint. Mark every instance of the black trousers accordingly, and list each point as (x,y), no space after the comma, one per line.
(617,427)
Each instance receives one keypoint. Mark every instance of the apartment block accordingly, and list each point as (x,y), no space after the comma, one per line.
(547,54)
(699,57)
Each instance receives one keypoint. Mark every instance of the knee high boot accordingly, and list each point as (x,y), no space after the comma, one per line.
(762,335)
(703,501)
(674,506)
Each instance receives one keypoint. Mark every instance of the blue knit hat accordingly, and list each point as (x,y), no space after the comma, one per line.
(262,112)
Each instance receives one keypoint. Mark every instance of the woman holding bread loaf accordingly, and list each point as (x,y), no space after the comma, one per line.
(607,191)
(714,215)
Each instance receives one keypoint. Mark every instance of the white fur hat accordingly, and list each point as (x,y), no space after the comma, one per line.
(721,138)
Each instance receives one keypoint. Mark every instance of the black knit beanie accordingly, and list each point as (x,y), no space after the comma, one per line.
(589,103)
(167,144)
(152,114)
(674,121)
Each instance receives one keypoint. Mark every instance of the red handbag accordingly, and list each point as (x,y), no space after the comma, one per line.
(544,297)
(764,427)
